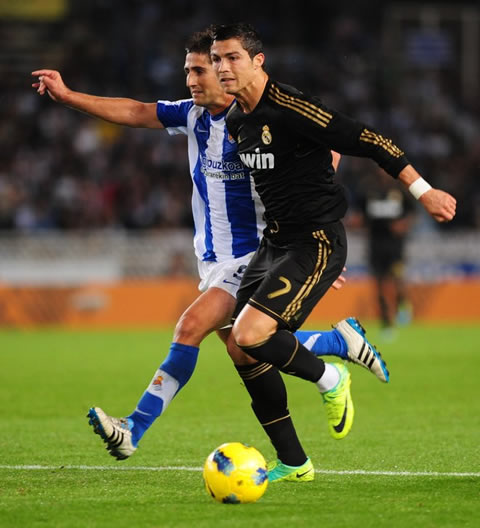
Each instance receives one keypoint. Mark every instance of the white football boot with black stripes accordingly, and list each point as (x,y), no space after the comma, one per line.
(115,432)
(360,350)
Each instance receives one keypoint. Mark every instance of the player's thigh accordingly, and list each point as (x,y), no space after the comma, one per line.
(253,326)
(211,311)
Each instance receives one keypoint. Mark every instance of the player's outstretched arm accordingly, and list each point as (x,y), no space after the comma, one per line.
(121,111)
(439,204)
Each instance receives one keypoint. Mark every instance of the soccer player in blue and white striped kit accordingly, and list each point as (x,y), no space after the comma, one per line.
(228,227)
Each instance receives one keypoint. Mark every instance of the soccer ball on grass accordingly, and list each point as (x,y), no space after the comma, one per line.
(235,473)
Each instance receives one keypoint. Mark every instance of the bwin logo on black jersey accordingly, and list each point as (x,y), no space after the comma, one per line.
(257,160)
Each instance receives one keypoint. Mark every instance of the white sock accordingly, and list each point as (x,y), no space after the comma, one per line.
(163,386)
(329,378)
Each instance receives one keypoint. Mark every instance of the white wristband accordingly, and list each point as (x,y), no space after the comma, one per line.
(419,187)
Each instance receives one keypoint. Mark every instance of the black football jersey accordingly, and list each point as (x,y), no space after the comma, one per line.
(286,142)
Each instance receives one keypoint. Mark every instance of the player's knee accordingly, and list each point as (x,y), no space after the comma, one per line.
(247,336)
(189,330)
(237,355)
(253,328)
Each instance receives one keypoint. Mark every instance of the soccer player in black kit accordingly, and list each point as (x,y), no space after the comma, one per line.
(387,213)
(285,136)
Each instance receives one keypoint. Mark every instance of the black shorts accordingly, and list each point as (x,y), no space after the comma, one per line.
(286,280)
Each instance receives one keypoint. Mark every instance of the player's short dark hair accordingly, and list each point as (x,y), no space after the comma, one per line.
(245,33)
(199,42)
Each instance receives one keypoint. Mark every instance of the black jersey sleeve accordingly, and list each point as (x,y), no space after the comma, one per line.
(312,119)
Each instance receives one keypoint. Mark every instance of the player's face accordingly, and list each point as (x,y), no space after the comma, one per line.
(202,81)
(235,69)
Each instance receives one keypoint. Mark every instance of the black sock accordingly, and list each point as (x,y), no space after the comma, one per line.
(285,352)
(269,403)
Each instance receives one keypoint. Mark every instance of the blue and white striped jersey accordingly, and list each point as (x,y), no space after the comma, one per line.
(227,211)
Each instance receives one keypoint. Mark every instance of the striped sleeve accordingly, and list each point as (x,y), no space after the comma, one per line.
(174,115)
(312,119)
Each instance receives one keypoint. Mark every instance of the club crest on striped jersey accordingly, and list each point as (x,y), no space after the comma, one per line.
(266,135)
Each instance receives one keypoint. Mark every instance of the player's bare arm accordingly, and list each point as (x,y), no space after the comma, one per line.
(121,111)
(439,204)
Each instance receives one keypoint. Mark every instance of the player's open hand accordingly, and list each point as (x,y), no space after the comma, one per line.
(439,204)
(340,281)
(51,82)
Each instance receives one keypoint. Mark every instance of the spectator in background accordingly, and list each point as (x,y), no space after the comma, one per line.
(387,212)
(348,64)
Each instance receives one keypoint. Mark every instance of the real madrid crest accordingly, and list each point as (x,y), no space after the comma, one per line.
(266,135)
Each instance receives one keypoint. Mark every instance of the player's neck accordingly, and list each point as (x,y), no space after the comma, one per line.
(249,96)
(219,106)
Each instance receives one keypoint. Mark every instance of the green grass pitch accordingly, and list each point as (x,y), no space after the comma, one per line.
(411,460)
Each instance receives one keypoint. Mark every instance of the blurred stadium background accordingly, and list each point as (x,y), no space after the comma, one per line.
(95,222)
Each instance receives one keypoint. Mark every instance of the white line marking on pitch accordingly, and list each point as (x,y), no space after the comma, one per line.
(187,468)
